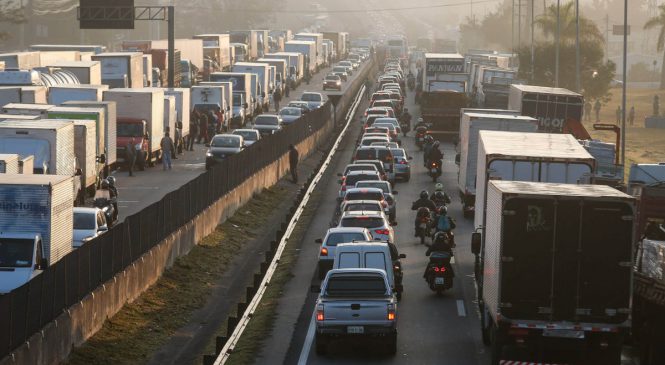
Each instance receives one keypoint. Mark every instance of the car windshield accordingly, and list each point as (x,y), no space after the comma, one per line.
(362,222)
(16,252)
(84,221)
(359,168)
(292,111)
(332,78)
(225,141)
(379,185)
(247,135)
(129,130)
(363,207)
(345,63)
(385,155)
(355,286)
(397,152)
(364,195)
(336,238)
(266,120)
(310,97)
(339,69)
(353,179)
(385,125)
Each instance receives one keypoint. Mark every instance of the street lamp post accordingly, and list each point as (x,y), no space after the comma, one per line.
(558,35)
(623,93)
(577,45)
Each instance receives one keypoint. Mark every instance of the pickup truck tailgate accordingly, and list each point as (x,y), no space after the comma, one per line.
(356,311)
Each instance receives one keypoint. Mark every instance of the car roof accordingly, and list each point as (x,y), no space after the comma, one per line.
(364,190)
(362,172)
(373,162)
(87,210)
(291,108)
(359,164)
(245,130)
(347,229)
(360,201)
(372,147)
(227,135)
(362,213)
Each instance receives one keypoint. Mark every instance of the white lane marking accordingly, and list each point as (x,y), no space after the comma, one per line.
(304,353)
(461,311)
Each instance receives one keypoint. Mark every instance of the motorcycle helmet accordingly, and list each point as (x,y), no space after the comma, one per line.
(438,187)
(105,184)
(436,144)
(111,180)
(424,194)
(443,210)
(429,138)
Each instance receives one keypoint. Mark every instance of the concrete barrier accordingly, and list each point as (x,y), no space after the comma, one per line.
(81,321)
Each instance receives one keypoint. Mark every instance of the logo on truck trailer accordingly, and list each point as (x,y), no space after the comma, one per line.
(444,66)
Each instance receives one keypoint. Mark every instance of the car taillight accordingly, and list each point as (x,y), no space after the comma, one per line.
(324,251)
(383,203)
(319,313)
(402,162)
(343,187)
(391,312)
(382,231)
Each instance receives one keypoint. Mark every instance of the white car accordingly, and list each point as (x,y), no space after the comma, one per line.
(88,224)
(268,124)
(249,136)
(375,222)
(290,114)
(221,146)
(314,100)
(329,243)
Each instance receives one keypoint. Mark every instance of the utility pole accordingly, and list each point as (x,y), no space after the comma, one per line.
(512,27)
(533,56)
(558,35)
(607,37)
(519,24)
(623,94)
(577,46)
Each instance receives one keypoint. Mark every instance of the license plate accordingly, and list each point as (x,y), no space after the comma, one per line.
(423,225)
(434,171)
(438,281)
(355,329)
(563,334)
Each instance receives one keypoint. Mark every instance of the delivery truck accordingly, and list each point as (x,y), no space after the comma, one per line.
(110,121)
(21,60)
(521,156)
(317,38)
(27,109)
(80,92)
(170,115)
(190,49)
(48,57)
(263,75)
(217,47)
(227,94)
(121,69)
(280,70)
(9,163)
(160,60)
(26,165)
(338,39)
(36,225)
(470,126)
(295,63)
(210,98)
(555,277)
(308,50)
(250,39)
(243,101)
(4,117)
(22,95)
(147,70)
(183,109)
(140,115)
(87,72)
(95,49)
(558,110)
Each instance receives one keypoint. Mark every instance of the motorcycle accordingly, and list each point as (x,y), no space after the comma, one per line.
(103,201)
(434,170)
(439,274)
(420,136)
(424,220)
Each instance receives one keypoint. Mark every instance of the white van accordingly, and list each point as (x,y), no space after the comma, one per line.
(368,255)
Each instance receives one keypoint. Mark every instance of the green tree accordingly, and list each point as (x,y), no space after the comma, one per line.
(547,23)
(659,22)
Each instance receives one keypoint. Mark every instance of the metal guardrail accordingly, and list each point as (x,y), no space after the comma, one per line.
(243,321)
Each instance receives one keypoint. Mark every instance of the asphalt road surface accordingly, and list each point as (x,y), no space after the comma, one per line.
(149,186)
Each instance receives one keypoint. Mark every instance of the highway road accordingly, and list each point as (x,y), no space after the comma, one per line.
(149,186)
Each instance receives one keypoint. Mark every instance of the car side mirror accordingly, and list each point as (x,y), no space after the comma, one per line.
(410,158)
(315,288)
(457,159)
(102,229)
(395,192)
(42,264)
(393,224)
(476,240)
(402,256)
(207,144)
(78,172)
(318,240)
(101,158)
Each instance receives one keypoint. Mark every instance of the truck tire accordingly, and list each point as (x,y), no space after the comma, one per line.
(321,344)
(497,344)
(485,327)
(391,345)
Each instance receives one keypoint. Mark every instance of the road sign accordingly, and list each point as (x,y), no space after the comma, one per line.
(104,14)
(618,30)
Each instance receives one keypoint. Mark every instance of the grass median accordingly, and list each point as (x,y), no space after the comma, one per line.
(141,327)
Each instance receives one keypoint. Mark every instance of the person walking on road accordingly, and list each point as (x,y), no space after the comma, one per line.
(167,149)
(287,89)
(130,156)
(587,111)
(596,108)
(631,115)
(368,87)
(293,163)
(276,98)
(203,128)
(193,130)
(618,112)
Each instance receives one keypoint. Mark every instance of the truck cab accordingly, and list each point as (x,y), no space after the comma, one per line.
(137,129)
(21,258)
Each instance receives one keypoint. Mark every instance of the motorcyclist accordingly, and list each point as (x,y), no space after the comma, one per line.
(440,197)
(434,154)
(423,202)
(113,193)
(440,252)
(406,121)
(443,222)
(427,147)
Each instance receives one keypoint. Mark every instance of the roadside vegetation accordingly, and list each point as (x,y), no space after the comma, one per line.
(141,327)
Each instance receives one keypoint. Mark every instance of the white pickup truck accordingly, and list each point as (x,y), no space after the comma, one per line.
(356,303)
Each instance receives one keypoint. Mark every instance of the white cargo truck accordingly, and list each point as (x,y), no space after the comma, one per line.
(519,156)
(4,117)
(217,47)
(281,69)
(21,60)
(470,127)
(27,109)
(140,116)
(262,71)
(295,65)
(317,38)
(88,72)
(308,50)
(36,225)
(26,165)
(9,163)
(182,105)
(121,69)
(210,96)
(170,114)
(228,96)
(80,92)
(190,49)
(22,94)
(242,106)
(110,121)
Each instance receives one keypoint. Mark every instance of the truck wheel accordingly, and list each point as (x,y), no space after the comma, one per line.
(484,327)
(391,346)
(321,344)
(497,345)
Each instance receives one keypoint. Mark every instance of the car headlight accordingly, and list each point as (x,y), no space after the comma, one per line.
(208,154)
(338,82)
